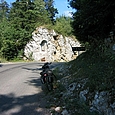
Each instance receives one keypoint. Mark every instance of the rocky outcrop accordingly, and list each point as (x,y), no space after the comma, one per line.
(99,101)
(75,98)
(47,45)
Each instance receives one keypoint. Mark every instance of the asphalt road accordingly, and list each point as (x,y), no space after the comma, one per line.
(20,90)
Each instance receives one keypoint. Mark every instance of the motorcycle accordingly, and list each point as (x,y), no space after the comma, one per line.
(46,66)
(47,77)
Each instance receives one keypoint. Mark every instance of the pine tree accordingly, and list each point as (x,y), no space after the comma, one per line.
(49,4)
(25,16)
(93,19)
(4,10)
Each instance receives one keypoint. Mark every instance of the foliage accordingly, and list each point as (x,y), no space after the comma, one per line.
(49,5)
(4,10)
(63,26)
(19,23)
(93,19)
(95,67)
(94,71)
(19,20)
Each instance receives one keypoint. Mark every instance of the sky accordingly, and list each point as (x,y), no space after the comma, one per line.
(61,5)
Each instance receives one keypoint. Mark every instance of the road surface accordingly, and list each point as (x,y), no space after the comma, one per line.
(20,90)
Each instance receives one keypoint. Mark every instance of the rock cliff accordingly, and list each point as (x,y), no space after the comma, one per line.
(47,45)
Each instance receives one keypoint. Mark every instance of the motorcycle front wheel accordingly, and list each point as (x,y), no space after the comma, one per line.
(49,86)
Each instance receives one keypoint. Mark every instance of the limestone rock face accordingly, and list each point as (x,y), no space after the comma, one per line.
(47,45)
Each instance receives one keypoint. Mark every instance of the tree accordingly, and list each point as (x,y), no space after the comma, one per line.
(63,26)
(24,17)
(42,17)
(4,10)
(93,19)
(49,5)
(18,23)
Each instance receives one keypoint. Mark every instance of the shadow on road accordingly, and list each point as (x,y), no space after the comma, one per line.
(24,105)
(28,104)
(34,80)
(1,65)
(34,69)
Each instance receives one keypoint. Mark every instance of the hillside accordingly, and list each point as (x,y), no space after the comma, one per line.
(86,85)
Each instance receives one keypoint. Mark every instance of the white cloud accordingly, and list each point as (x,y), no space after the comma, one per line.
(68,13)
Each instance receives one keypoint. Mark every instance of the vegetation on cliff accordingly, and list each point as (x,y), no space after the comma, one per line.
(89,71)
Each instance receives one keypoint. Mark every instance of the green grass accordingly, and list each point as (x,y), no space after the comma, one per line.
(99,69)
(2,60)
